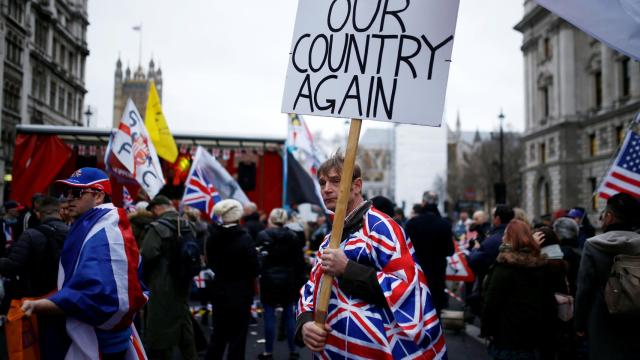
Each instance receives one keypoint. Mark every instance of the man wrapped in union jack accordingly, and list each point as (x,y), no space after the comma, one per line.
(380,306)
(99,291)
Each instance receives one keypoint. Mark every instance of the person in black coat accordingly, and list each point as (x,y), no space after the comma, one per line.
(282,274)
(34,256)
(432,240)
(251,220)
(232,257)
(34,259)
(519,306)
(485,253)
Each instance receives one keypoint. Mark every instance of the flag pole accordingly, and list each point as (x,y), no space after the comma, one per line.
(340,214)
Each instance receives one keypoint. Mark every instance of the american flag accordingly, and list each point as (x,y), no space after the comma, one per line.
(200,192)
(407,328)
(624,175)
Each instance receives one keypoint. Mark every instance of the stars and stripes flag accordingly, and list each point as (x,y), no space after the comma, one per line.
(208,182)
(407,327)
(98,284)
(624,174)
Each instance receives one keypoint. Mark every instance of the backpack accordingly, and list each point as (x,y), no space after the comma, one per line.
(622,291)
(187,262)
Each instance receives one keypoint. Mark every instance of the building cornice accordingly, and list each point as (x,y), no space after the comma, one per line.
(549,129)
(626,109)
(530,18)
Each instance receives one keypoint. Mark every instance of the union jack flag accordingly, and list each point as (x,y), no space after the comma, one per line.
(624,174)
(208,182)
(407,327)
(200,193)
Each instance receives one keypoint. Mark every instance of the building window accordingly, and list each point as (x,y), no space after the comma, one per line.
(38,83)
(63,56)
(545,199)
(53,91)
(70,105)
(593,183)
(547,51)
(619,134)
(598,88)
(593,145)
(11,94)
(543,153)
(54,49)
(544,94)
(72,63)
(552,147)
(61,94)
(604,138)
(626,77)
(41,34)
(16,10)
(14,48)
(532,153)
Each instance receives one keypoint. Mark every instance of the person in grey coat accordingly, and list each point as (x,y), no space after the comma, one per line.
(608,337)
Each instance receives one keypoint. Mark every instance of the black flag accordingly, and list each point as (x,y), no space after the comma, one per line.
(301,187)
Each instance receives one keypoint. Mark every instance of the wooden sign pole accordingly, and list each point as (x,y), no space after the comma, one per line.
(338,220)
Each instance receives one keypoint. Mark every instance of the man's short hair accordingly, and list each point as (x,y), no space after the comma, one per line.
(335,162)
(429,198)
(567,230)
(625,208)
(505,213)
(48,205)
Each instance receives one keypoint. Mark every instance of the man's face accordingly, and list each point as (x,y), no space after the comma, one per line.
(330,187)
(496,219)
(13,212)
(83,200)
(464,216)
(157,211)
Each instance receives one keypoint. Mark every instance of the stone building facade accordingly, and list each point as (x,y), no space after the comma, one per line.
(579,98)
(134,86)
(43,49)
(374,158)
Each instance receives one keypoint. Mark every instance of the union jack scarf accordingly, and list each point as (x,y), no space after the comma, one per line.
(408,328)
(98,282)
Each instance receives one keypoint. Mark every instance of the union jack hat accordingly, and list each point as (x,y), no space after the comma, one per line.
(89,178)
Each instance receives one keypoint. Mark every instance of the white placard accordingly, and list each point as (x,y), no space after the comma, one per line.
(382,60)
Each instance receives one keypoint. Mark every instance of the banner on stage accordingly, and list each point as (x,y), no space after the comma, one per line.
(384,60)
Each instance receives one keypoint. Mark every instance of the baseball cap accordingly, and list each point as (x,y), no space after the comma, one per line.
(89,178)
(12,204)
(575,213)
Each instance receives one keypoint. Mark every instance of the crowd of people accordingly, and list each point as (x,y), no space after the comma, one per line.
(541,290)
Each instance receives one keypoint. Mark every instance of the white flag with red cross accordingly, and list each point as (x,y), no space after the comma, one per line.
(457,267)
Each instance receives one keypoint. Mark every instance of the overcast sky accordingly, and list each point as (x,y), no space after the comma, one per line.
(224,62)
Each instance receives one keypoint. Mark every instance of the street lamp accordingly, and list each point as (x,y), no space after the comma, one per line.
(88,114)
(501,118)
(500,188)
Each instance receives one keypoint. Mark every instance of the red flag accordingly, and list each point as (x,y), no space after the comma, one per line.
(37,159)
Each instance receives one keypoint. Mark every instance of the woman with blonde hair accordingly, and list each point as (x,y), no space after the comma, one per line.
(518,303)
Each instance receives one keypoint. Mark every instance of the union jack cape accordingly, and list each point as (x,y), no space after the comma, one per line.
(408,328)
(98,283)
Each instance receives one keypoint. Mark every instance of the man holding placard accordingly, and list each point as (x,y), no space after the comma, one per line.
(385,60)
(380,306)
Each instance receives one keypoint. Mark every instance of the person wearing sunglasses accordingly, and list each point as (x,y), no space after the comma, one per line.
(98,288)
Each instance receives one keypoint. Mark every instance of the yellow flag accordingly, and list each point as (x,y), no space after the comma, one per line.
(157,127)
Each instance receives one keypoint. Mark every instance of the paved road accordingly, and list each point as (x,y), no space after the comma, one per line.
(461,345)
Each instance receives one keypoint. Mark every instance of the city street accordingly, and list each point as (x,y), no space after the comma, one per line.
(461,345)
